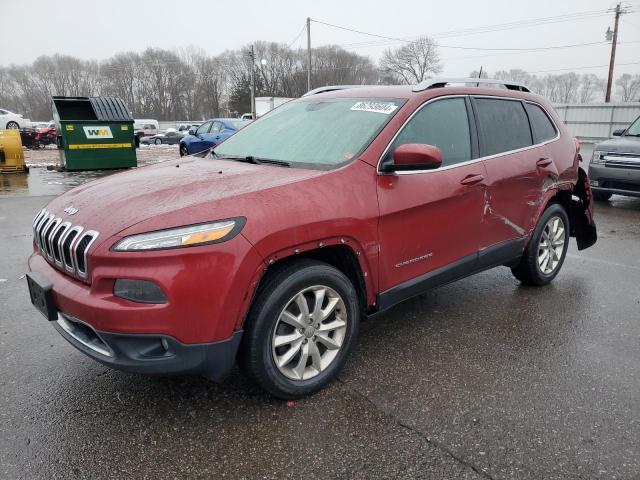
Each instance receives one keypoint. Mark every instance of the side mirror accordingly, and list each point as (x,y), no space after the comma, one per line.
(618,133)
(192,131)
(416,156)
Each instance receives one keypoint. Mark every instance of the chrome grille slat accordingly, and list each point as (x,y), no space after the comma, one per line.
(62,243)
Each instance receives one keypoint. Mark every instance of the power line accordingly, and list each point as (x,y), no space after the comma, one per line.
(304,27)
(471,31)
(583,68)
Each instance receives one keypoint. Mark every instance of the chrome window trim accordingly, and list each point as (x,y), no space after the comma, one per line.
(473,160)
(51,232)
(94,234)
(72,267)
(65,225)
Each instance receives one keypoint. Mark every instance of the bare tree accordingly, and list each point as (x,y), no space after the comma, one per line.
(591,86)
(413,62)
(629,87)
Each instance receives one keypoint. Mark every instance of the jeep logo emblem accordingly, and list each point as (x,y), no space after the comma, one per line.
(71,210)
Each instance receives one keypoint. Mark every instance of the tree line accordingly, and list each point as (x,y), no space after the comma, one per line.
(189,84)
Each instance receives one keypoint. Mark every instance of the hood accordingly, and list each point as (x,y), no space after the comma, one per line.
(625,144)
(173,193)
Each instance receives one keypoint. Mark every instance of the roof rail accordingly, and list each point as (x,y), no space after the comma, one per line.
(443,82)
(331,88)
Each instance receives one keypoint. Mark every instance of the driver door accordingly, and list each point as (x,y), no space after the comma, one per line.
(430,220)
(198,143)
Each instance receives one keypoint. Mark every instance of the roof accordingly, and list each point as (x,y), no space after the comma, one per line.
(459,85)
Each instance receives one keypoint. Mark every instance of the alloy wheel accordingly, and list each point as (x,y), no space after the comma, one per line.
(551,245)
(13,125)
(309,332)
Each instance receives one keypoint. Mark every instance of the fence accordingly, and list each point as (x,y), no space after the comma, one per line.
(594,122)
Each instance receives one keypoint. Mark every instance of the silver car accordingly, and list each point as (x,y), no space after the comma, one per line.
(615,166)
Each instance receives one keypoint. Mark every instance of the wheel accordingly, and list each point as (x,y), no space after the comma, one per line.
(545,253)
(12,125)
(601,196)
(300,329)
(183,151)
(158,141)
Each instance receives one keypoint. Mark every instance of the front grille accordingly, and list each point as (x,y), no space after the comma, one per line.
(622,160)
(62,243)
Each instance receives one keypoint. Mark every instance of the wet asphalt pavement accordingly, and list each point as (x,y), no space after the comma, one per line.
(483,378)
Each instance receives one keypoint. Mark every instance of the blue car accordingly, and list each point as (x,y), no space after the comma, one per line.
(209,134)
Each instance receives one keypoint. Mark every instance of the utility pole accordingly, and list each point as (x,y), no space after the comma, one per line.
(614,42)
(308,53)
(253,82)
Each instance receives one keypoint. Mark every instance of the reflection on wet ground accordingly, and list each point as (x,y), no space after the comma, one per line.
(40,181)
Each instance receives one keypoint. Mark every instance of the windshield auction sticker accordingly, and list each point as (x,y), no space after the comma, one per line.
(377,107)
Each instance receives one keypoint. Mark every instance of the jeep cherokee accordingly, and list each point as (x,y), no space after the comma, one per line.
(328,209)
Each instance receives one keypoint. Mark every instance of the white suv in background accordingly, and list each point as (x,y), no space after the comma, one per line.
(10,120)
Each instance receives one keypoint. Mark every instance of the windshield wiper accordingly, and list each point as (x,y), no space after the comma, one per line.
(255,160)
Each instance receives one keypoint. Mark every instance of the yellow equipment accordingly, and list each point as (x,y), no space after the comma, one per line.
(11,153)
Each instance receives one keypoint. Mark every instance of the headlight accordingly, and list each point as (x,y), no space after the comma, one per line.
(598,157)
(187,236)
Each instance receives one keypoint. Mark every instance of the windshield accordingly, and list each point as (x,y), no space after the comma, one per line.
(634,129)
(316,133)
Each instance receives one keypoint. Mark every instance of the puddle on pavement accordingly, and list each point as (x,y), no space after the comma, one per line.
(40,181)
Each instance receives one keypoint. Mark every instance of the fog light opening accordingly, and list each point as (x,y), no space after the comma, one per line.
(139,291)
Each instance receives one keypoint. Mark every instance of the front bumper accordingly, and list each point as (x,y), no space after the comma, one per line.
(148,353)
(617,180)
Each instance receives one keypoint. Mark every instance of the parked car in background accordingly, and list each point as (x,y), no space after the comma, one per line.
(184,128)
(170,137)
(29,138)
(342,205)
(209,134)
(615,165)
(46,135)
(11,120)
(145,127)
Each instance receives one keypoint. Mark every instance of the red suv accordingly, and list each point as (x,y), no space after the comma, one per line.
(334,207)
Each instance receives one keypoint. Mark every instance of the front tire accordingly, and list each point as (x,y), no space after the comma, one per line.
(12,125)
(300,329)
(546,251)
(158,141)
(183,151)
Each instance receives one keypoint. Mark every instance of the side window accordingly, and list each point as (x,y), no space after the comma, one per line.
(204,128)
(216,127)
(443,123)
(503,125)
(541,126)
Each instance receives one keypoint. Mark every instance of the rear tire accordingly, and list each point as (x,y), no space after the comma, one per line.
(546,251)
(300,329)
(601,196)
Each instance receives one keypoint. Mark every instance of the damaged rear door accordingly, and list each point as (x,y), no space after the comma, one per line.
(516,171)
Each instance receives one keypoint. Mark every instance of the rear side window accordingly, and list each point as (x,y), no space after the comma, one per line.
(541,126)
(443,123)
(503,125)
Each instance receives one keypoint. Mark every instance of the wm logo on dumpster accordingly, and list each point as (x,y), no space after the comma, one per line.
(98,132)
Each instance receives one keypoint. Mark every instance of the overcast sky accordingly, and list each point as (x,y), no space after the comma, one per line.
(98,29)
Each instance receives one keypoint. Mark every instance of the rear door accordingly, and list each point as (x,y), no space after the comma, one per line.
(212,138)
(429,220)
(514,189)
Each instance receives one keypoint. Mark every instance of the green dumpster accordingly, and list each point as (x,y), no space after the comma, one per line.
(94,133)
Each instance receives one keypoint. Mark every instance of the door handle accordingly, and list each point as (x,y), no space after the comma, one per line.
(472,179)
(544,162)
